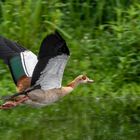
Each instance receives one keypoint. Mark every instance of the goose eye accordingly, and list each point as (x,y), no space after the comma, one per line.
(84,77)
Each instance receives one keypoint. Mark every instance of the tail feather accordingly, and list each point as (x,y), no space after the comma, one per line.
(9,49)
(11,97)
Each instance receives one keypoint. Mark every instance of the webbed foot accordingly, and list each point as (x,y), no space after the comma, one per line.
(11,104)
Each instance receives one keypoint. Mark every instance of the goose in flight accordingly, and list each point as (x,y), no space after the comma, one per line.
(38,80)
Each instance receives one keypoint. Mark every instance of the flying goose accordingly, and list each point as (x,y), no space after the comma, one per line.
(45,85)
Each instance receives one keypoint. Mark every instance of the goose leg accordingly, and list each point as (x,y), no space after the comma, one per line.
(10,104)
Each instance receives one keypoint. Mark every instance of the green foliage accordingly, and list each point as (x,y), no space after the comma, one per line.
(103,37)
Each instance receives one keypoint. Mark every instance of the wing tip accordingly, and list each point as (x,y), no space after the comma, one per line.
(65,48)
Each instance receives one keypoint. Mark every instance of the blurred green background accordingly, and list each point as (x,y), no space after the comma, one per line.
(104,39)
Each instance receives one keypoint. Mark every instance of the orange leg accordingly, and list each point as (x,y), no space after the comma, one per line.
(10,104)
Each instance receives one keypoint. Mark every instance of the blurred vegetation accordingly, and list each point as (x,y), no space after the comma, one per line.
(104,39)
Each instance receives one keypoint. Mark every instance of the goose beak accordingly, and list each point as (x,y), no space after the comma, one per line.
(90,81)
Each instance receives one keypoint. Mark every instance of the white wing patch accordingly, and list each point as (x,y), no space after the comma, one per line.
(29,61)
(51,76)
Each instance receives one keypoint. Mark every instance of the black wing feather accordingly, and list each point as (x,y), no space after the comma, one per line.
(9,49)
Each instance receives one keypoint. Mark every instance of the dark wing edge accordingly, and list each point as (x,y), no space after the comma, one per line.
(9,49)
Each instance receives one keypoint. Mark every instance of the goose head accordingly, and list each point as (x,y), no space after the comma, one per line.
(83,79)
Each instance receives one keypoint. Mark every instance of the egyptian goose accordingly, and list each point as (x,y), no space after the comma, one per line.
(47,76)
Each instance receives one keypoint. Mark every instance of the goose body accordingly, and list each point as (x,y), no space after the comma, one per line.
(45,84)
(40,98)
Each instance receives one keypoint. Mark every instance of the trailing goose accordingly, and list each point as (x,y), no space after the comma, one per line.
(45,87)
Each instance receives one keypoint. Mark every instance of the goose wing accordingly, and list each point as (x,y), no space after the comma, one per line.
(52,59)
(20,61)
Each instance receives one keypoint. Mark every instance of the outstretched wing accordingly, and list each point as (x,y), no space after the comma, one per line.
(20,60)
(53,56)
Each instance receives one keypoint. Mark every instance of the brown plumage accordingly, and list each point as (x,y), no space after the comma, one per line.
(23,83)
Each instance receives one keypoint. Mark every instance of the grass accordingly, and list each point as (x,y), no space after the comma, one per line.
(74,117)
